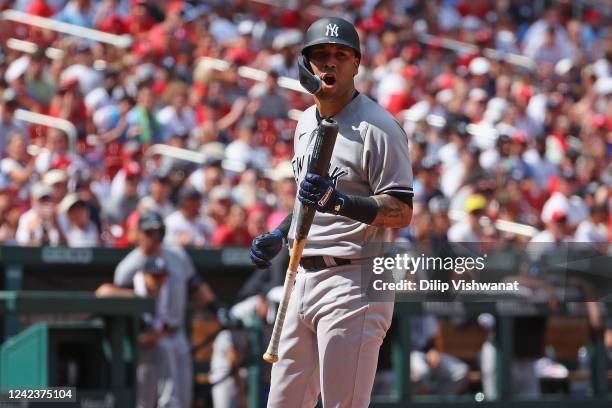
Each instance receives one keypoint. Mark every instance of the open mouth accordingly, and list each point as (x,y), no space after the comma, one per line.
(329,79)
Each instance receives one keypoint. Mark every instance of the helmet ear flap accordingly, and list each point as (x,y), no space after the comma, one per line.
(308,79)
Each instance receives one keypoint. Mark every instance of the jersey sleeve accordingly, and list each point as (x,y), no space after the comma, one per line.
(386,160)
(127,268)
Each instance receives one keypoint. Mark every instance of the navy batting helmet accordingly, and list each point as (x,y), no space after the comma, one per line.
(332,30)
(328,30)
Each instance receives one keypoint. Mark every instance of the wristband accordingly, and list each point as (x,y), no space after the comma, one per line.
(362,209)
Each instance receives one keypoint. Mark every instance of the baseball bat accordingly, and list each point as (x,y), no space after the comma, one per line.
(325,140)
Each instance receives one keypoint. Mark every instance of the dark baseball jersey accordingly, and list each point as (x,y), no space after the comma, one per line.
(370,157)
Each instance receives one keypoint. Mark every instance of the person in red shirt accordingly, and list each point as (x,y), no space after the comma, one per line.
(165,36)
(40,8)
(139,21)
(68,104)
(233,232)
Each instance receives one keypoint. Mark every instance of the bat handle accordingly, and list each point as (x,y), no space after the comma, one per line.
(271,354)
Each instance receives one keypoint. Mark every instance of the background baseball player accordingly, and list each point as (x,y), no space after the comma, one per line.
(176,369)
(331,336)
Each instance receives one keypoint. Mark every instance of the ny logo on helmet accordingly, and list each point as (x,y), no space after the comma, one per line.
(331,30)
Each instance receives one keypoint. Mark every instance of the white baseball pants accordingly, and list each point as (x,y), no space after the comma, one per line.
(330,342)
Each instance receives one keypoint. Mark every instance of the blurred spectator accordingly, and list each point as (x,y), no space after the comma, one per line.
(142,121)
(469,229)
(9,218)
(555,232)
(546,30)
(139,21)
(39,225)
(245,148)
(40,8)
(177,118)
(68,103)
(83,185)
(206,178)
(112,121)
(58,181)
(8,123)
(79,12)
(269,100)
(256,220)
(186,227)
(164,36)
(549,52)
(438,208)
(119,206)
(76,223)
(56,154)
(18,166)
(232,232)
(131,152)
(427,178)
(284,192)
(39,83)
(158,199)
(593,229)
(565,200)
(541,168)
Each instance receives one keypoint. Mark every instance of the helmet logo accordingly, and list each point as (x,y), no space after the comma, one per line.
(331,30)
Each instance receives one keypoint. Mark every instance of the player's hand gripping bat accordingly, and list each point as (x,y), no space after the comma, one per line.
(325,140)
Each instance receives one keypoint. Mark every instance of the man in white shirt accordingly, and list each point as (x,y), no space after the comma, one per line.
(593,229)
(8,124)
(39,225)
(158,199)
(566,199)
(185,227)
(75,221)
(468,229)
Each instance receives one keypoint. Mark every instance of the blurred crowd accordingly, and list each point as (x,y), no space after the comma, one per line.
(525,138)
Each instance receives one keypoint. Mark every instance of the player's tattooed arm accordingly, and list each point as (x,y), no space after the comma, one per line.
(392,213)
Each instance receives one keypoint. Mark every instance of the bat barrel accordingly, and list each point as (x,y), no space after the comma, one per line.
(319,164)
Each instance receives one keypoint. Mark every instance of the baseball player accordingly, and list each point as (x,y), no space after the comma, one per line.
(332,335)
(176,369)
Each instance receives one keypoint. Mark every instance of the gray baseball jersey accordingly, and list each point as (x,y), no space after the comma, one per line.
(165,372)
(370,157)
(180,269)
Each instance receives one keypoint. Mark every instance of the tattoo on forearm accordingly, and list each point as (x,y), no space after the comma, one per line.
(392,213)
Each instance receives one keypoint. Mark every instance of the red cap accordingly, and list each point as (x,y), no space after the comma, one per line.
(132,169)
(524,92)
(600,121)
(142,49)
(445,81)
(40,8)
(558,215)
(61,162)
(520,137)
(413,49)
(69,84)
